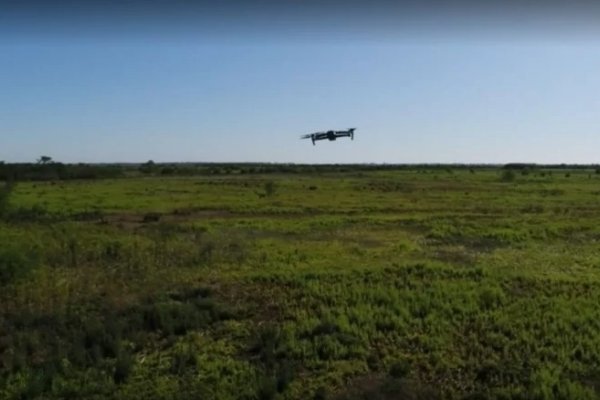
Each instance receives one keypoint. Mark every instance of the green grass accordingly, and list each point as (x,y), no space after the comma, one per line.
(409,283)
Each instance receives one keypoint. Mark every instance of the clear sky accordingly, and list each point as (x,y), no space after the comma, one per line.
(177,95)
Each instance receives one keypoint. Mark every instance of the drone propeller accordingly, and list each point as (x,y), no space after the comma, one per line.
(310,135)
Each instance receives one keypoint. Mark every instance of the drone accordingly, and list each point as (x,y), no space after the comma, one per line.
(329,135)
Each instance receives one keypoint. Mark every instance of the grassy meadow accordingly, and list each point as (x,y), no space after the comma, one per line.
(409,283)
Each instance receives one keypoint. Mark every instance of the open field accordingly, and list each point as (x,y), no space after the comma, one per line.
(409,283)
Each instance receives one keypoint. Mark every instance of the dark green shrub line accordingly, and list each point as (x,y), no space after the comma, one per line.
(99,338)
(51,171)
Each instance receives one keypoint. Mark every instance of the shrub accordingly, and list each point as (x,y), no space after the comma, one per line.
(390,389)
(267,388)
(4,197)
(508,176)
(15,263)
(151,217)
(400,369)
(183,359)
(122,367)
(284,376)
(321,393)
(270,188)
(533,209)
(28,214)
(181,313)
(491,297)
(266,345)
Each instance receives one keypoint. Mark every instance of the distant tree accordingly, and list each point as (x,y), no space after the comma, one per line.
(148,167)
(44,160)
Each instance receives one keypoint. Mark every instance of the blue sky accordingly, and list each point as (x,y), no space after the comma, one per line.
(432,99)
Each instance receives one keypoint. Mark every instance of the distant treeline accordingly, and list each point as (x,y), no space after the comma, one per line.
(267,168)
(550,166)
(60,171)
(57,171)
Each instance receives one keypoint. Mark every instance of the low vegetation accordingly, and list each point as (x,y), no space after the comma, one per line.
(326,282)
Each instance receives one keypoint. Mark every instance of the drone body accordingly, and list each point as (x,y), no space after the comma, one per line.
(329,135)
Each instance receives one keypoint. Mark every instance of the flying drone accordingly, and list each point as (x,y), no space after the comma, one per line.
(329,135)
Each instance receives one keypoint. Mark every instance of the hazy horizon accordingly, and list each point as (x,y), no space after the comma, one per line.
(199,83)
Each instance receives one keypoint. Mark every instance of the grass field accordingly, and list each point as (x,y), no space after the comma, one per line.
(395,284)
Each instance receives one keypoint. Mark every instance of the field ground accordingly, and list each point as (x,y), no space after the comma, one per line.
(365,284)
